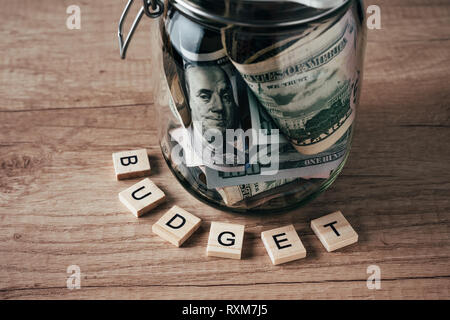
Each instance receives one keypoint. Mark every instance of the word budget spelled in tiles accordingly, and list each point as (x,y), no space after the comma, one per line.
(225,240)
(283,245)
(334,231)
(142,197)
(176,225)
(131,164)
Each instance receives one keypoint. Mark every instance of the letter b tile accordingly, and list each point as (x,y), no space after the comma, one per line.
(131,164)
(142,197)
(334,231)
(283,245)
(176,225)
(225,240)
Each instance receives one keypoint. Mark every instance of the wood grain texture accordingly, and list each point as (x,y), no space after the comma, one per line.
(68,102)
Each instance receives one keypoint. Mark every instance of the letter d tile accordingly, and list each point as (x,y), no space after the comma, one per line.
(176,225)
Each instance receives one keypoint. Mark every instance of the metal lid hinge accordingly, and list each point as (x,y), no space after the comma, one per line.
(152,8)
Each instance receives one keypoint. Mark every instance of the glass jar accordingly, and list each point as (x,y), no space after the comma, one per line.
(256,100)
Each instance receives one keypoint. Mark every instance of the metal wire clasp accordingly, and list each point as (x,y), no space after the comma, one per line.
(152,8)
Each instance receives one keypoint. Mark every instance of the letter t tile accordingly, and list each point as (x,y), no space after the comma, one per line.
(334,231)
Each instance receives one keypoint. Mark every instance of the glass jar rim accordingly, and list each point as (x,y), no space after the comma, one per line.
(193,9)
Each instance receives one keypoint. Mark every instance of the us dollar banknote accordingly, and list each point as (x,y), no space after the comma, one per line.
(194,176)
(308,88)
(235,194)
(289,162)
(257,194)
(317,166)
(184,152)
(209,86)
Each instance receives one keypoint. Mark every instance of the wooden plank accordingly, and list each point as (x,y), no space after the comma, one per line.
(68,102)
(434,288)
(405,229)
(50,66)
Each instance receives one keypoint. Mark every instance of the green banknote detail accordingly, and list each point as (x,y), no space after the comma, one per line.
(308,88)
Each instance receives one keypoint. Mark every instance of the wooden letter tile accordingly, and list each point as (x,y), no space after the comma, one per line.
(225,240)
(334,231)
(176,225)
(131,164)
(142,197)
(283,245)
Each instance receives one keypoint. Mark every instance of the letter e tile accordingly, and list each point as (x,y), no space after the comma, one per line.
(283,245)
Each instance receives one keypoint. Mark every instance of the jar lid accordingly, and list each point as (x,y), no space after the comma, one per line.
(262,13)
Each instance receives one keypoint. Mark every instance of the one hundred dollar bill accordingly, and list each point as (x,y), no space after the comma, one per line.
(308,89)
(191,158)
(290,164)
(194,176)
(254,173)
(211,89)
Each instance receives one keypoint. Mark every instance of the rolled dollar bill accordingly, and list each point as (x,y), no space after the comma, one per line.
(256,194)
(307,87)
(288,164)
(235,194)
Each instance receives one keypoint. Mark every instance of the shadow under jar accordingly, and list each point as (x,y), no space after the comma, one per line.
(256,100)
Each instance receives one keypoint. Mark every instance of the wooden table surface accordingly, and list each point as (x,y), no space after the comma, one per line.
(67,102)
